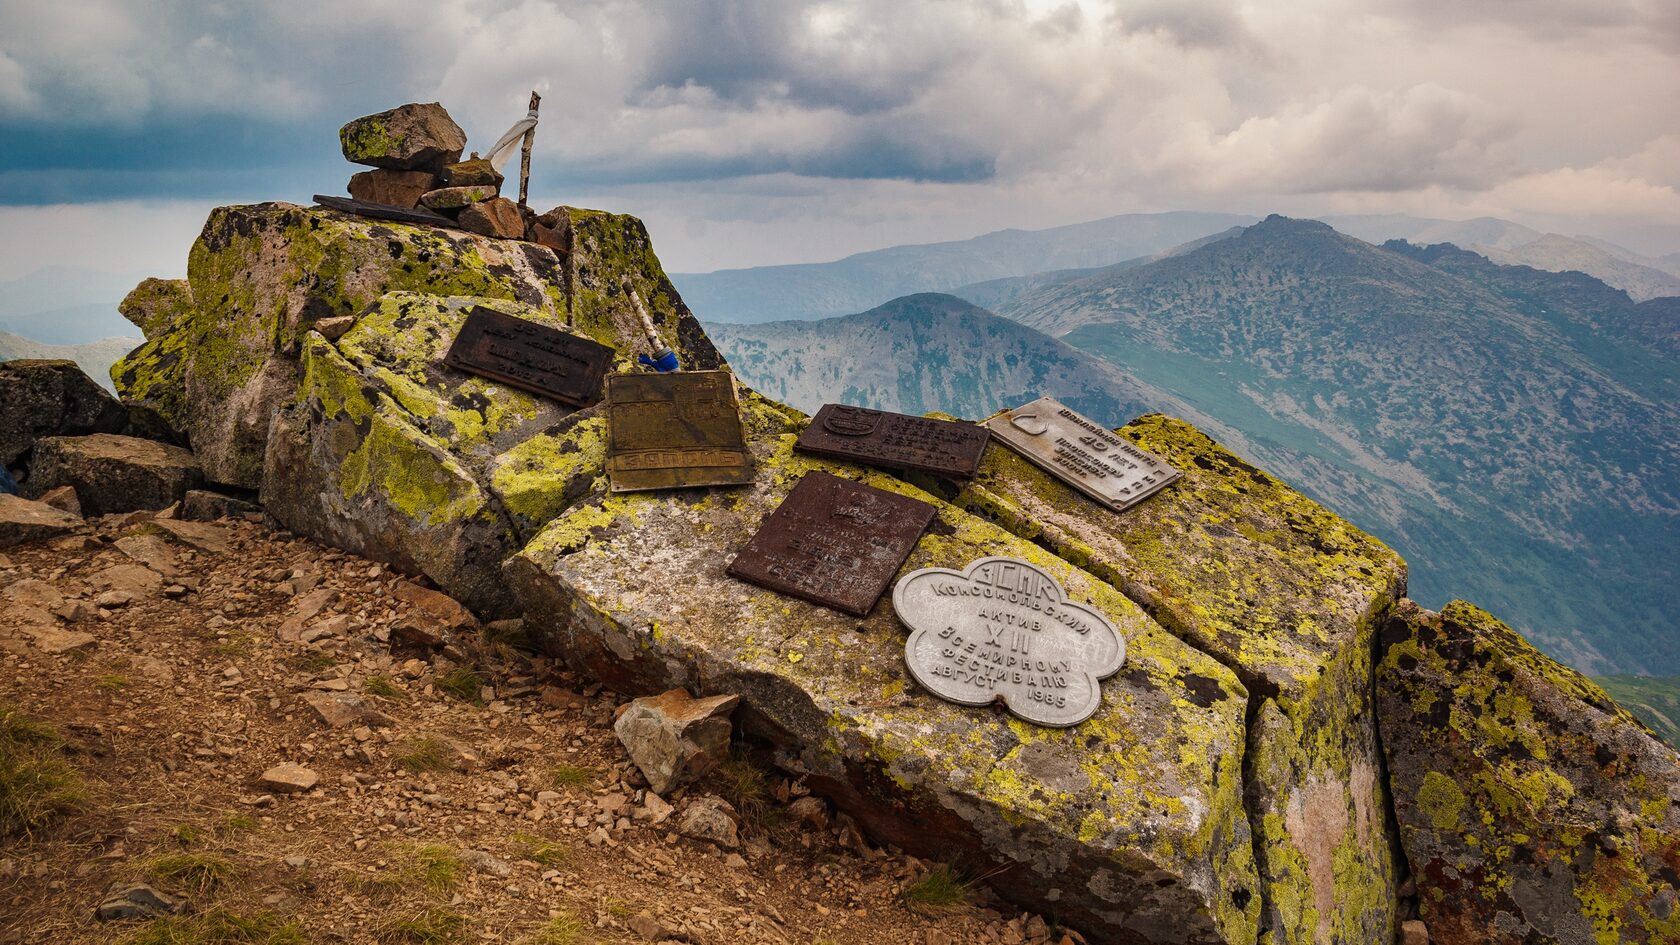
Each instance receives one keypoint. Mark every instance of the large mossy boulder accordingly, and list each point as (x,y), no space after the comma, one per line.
(1532,808)
(260,276)
(1288,596)
(1130,826)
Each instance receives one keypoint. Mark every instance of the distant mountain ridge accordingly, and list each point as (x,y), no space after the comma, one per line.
(1513,432)
(94,358)
(864,280)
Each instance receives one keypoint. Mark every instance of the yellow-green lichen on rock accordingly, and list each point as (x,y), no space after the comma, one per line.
(1129,826)
(350,465)
(1287,595)
(155,304)
(1532,808)
(261,275)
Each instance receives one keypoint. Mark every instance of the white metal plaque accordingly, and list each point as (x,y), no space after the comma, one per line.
(1084,454)
(1003,630)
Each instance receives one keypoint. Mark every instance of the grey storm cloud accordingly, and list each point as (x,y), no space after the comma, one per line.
(887,109)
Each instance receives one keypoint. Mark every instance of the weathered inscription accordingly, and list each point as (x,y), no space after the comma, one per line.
(834,542)
(1084,454)
(895,440)
(671,431)
(531,357)
(1003,630)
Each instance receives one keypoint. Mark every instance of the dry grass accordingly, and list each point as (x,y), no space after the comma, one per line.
(37,785)
(940,890)
(434,926)
(424,754)
(219,927)
(199,872)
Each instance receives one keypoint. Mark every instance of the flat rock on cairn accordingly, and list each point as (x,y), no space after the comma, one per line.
(1531,807)
(406,138)
(41,398)
(392,188)
(675,739)
(455,198)
(22,520)
(498,217)
(114,473)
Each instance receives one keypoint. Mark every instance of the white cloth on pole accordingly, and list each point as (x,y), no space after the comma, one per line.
(503,148)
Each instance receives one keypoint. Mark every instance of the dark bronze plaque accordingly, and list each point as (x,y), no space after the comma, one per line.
(834,542)
(895,440)
(670,431)
(419,216)
(531,357)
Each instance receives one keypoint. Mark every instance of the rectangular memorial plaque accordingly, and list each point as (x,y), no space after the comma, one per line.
(834,542)
(1082,453)
(671,431)
(531,357)
(895,440)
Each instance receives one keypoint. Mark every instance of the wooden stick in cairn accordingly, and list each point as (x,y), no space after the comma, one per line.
(525,153)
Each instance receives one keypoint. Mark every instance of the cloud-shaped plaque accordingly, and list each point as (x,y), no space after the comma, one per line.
(1004,630)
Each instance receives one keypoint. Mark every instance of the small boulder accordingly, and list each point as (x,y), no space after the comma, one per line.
(673,738)
(408,137)
(498,217)
(435,607)
(288,778)
(477,172)
(345,710)
(199,505)
(43,398)
(155,304)
(1532,808)
(710,818)
(335,327)
(114,473)
(454,198)
(136,901)
(392,188)
(22,520)
(64,499)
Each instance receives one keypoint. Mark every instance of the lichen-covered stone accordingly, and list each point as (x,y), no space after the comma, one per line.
(155,304)
(1532,808)
(40,398)
(1129,826)
(454,198)
(392,188)
(408,137)
(1287,595)
(261,276)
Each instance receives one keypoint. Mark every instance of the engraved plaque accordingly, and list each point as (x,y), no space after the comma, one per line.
(672,431)
(1082,453)
(531,357)
(895,440)
(834,542)
(1003,630)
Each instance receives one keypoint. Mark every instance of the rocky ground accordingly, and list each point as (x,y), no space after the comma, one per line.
(306,747)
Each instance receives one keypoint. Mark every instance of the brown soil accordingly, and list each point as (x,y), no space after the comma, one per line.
(195,687)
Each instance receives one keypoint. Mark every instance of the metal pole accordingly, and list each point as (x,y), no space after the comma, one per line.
(525,153)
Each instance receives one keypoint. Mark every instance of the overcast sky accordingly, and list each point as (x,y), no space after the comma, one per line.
(779,131)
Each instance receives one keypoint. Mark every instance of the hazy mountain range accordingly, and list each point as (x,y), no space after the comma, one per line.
(94,358)
(1513,432)
(865,280)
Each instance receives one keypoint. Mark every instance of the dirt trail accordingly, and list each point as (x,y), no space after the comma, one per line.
(472,794)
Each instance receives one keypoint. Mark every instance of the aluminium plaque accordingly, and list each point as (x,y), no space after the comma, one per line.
(1082,453)
(1003,631)
(895,440)
(673,431)
(834,542)
(532,357)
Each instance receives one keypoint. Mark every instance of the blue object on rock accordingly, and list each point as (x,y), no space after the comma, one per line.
(8,485)
(664,361)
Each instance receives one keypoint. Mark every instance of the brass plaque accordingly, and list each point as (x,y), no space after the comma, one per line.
(834,542)
(895,440)
(672,431)
(1082,453)
(531,357)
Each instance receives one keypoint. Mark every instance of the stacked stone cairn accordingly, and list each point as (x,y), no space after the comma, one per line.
(415,152)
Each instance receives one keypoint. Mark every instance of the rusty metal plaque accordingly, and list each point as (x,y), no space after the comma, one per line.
(1003,631)
(531,357)
(895,440)
(1082,453)
(834,542)
(672,431)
